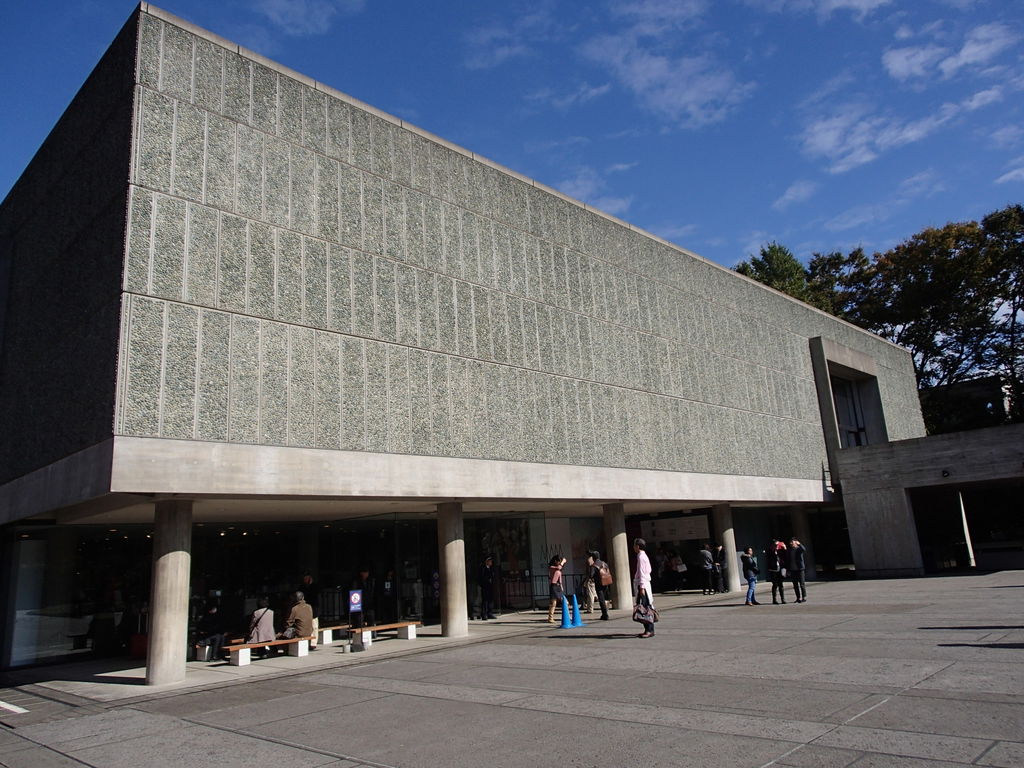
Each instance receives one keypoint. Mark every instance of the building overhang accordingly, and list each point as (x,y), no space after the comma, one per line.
(117,481)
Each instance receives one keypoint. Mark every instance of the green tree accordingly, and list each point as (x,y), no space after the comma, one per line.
(779,268)
(952,295)
(835,282)
(1004,242)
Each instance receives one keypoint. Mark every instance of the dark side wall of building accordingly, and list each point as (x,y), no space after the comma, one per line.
(61,258)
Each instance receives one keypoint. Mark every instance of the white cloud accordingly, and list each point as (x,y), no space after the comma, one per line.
(915,61)
(853,134)
(982,45)
(1016,174)
(494,44)
(581,95)
(556,144)
(661,11)
(306,17)
(1007,135)
(689,91)
(822,8)
(920,185)
(983,98)
(620,167)
(589,186)
(798,192)
(674,232)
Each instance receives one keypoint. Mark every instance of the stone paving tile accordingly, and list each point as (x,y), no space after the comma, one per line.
(1005,754)
(896,761)
(198,747)
(258,712)
(970,676)
(37,757)
(813,756)
(94,730)
(906,743)
(980,719)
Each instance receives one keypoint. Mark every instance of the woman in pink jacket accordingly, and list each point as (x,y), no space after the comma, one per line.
(642,583)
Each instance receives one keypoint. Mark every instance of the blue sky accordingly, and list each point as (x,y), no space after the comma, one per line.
(716,124)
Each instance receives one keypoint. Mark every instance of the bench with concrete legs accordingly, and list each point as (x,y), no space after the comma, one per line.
(406,631)
(241,654)
(327,635)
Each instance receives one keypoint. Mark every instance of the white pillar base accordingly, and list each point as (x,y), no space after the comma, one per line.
(326,637)
(241,657)
(407,633)
(300,648)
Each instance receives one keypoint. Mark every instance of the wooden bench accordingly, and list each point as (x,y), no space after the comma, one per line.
(241,653)
(406,631)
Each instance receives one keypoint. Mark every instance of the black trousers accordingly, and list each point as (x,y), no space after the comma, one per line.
(778,587)
(799,586)
(602,597)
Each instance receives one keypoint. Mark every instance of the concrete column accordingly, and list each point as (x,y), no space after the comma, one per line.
(618,555)
(967,531)
(802,530)
(168,603)
(452,565)
(725,534)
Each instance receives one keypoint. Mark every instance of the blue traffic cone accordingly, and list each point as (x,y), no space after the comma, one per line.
(566,621)
(576,620)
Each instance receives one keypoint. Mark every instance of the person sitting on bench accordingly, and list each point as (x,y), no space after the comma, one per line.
(261,626)
(300,619)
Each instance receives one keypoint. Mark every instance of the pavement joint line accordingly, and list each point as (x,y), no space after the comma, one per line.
(13,708)
(286,743)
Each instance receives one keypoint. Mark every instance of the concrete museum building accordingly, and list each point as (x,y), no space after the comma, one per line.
(251,328)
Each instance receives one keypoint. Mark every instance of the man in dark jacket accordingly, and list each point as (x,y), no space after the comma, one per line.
(595,566)
(487,578)
(707,564)
(797,569)
(775,558)
(721,566)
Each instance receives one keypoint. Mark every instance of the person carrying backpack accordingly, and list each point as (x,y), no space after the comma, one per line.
(602,577)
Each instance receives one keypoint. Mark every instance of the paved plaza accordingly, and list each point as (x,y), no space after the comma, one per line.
(921,672)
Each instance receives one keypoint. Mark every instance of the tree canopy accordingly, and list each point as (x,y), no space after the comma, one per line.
(953,296)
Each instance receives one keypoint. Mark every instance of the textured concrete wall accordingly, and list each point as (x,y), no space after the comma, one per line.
(302,271)
(61,253)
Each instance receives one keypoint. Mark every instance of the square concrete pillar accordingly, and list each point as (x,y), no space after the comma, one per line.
(168,603)
(452,565)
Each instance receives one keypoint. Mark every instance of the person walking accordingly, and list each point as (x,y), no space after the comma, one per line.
(555,590)
(487,579)
(601,575)
(775,557)
(642,583)
(750,570)
(798,569)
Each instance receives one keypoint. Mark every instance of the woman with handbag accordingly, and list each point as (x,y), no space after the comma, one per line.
(643,611)
(555,590)
(261,626)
